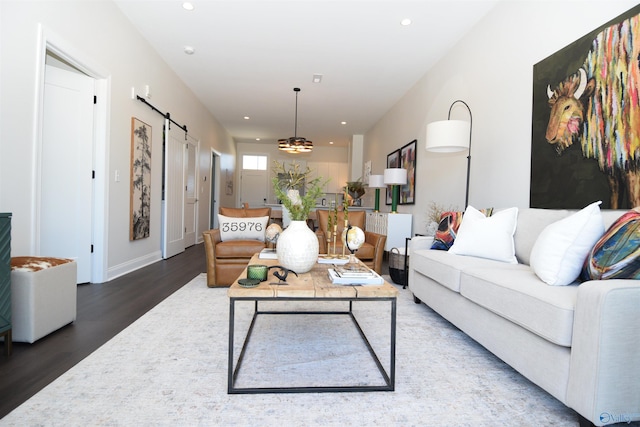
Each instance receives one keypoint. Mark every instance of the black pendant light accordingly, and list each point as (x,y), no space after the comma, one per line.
(295,144)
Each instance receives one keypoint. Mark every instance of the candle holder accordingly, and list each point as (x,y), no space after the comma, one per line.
(257,271)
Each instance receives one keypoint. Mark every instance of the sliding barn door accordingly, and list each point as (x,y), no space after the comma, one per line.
(173,241)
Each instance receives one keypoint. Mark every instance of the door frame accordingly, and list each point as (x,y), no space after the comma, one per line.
(196,185)
(48,41)
(214,200)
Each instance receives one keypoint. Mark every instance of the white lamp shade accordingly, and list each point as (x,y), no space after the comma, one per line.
(448,136)
(395,176)
(376,181)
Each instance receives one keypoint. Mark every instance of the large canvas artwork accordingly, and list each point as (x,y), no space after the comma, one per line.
(408,162)
(140,194)
(393,161)
(586,120)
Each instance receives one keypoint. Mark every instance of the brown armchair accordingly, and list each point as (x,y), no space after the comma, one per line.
(226,260)
(370,252)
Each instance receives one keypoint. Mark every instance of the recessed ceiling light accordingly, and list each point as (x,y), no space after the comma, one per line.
(405,22)
(187,5)
(317,78)
(189,50)
(330,142)
(343,123)
(247,117)
(257,139)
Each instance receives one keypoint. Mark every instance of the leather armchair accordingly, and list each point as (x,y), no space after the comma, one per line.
(372,250)
(226,260)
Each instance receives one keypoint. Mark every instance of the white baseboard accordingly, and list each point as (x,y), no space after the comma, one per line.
(132,265)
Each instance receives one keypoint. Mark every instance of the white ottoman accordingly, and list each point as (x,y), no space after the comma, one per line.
(43,296)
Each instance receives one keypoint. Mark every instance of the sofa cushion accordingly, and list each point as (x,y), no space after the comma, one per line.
(531,222)
(518,295)
(245,212)
(560,250)
(448,228)
(487,237)
(445,267)
(244,249)
(617,254)
(239,228)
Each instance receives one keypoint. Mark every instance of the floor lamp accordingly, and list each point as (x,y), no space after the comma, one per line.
(395,177)
(449,136)
(377,182)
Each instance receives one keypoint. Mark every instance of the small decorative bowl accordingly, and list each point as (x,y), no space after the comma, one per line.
(248,283)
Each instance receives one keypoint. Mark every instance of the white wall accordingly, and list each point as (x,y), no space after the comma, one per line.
(98,33)
(319,154)
(491,69)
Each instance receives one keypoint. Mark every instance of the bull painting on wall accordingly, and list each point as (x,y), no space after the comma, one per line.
(586,120)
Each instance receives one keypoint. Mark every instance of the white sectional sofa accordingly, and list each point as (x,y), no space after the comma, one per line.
(580,343)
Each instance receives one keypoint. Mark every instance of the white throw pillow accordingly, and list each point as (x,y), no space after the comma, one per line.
(487,237)
(251,228)
(560,250)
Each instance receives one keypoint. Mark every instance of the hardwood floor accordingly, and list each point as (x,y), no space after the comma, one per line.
(103,310)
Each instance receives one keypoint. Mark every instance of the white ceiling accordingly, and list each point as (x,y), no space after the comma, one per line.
(249,55)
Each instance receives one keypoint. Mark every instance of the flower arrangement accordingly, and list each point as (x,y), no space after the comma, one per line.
(287,184)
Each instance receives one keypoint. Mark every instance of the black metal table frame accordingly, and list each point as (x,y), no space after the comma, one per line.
(389,377)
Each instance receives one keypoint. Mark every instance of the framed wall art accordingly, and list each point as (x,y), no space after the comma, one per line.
(393,161)
(140,191)
(585,137)
(408,162)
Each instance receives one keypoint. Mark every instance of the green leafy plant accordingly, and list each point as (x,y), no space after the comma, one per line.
(355,188)
(289,182)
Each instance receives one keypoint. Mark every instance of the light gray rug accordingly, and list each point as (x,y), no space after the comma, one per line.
(170,368)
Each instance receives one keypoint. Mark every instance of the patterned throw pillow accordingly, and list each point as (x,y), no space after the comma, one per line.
(251,228)
(617,254)
(448,229)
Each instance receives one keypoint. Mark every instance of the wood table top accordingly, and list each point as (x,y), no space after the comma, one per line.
(314,284)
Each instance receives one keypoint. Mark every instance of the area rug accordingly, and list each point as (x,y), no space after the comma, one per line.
(170,368)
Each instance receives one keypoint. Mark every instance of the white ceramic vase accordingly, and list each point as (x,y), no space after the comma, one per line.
(297,247)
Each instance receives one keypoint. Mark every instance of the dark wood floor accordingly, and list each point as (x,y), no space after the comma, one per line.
(103,311)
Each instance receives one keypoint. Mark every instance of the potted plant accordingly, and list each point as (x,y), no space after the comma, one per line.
(288,183)
(355,189)
(297,247)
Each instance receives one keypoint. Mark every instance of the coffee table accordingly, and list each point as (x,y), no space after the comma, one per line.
(312,286)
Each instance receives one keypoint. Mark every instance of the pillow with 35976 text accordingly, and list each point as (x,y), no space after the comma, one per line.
(232,228)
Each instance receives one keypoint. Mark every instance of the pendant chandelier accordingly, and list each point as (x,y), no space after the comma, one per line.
(295,144)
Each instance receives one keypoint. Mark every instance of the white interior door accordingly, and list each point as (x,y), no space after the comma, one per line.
(173,241)
(191,192)
(66,184)
(254,187)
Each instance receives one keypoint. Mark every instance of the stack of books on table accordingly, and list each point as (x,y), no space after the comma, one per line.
(268,253)
(354,275)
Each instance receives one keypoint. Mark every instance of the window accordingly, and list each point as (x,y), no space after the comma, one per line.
(252,162)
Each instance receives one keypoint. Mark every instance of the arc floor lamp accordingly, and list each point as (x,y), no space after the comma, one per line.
(449,136)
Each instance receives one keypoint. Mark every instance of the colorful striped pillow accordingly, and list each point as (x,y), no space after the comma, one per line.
(617,254)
